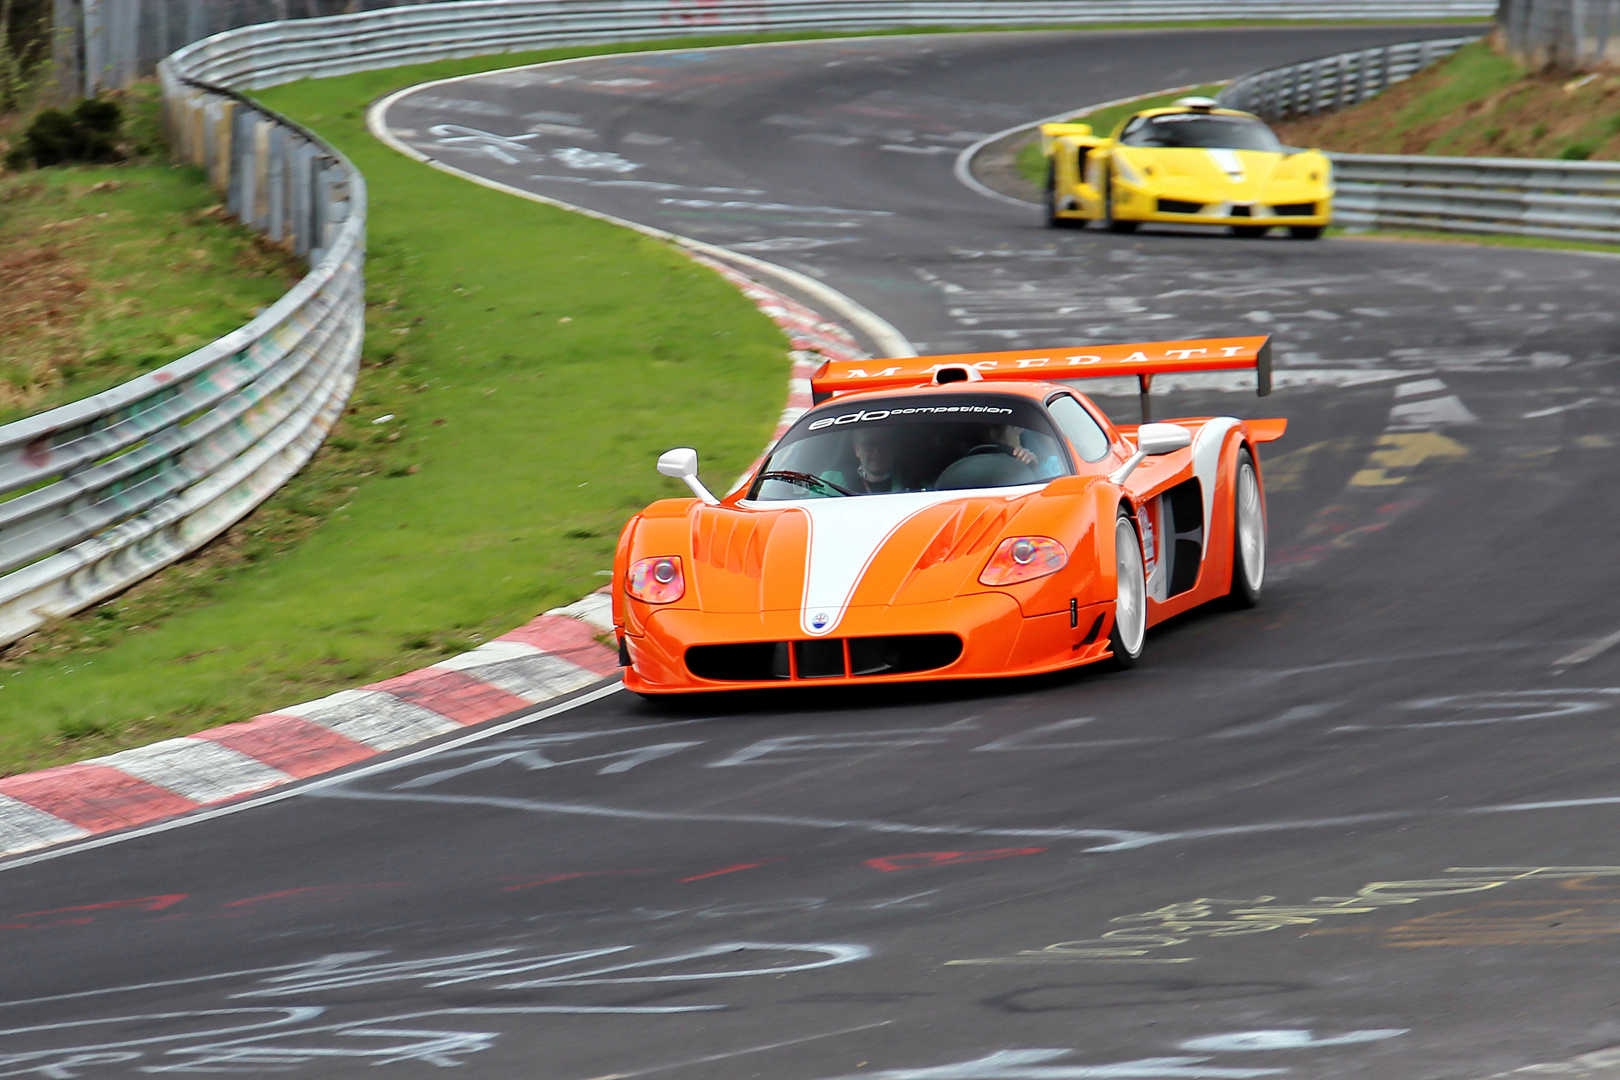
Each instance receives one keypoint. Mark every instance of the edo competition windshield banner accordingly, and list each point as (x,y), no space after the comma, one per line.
(990,408)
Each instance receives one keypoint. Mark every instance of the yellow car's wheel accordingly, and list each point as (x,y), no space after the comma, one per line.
(1114,223)
(1305,232)
(1052,219)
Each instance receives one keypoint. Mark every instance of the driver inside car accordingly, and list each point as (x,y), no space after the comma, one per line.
(877,454)
(1008,435)
(1014,437)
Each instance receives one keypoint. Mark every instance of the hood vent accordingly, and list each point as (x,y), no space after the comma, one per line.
(732,540)
(971,527)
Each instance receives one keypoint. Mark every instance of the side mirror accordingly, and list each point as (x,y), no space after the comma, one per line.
(1153,440)
(682,464)
(1156,439)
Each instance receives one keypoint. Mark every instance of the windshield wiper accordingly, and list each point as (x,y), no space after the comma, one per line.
(803,479)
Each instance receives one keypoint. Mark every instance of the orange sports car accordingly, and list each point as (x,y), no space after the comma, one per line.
(949,517)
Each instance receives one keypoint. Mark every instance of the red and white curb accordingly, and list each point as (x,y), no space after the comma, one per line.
(553,655)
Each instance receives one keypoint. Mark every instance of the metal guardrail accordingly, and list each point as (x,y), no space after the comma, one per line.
(96,495)
(1566,200)
(108,44)
(120,36)
(1334,82)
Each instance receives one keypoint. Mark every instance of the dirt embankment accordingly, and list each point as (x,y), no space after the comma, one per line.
(1478,103)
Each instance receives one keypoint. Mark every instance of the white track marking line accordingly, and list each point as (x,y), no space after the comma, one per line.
(964,160)
(1265,727)
(1587,652)
(890,341)
(739,1053)
(1119,839)
(324,781)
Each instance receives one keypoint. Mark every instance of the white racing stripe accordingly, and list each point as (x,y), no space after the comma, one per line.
(1206,455)
(1229,163)
(847,533)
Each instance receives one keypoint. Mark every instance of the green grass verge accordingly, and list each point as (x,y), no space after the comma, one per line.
(533,361)
(1478,103)
(1032,163)
(109,271)
(1474,239)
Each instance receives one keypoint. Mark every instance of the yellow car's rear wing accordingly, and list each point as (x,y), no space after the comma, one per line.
(1052,132)
(1143,360)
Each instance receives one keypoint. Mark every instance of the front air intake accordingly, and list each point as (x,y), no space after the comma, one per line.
(753,661)
(824,658)
(902,654)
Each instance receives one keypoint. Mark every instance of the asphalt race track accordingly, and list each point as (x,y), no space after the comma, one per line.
(1365,830)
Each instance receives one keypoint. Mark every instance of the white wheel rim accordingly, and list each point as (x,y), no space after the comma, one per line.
(1251,527)
(1130,599)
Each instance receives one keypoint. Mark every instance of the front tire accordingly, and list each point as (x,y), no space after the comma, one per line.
(1130,595)
(1248,533)
(1305,232)
(1113,223)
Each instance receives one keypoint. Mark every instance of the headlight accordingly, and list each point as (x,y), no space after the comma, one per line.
(1023,558)
(656,581)
(1127,170)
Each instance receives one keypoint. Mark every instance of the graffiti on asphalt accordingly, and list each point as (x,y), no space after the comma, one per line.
(1145,934)
(247,1036)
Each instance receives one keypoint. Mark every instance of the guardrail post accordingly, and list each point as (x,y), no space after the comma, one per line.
(303,197)
(275,218)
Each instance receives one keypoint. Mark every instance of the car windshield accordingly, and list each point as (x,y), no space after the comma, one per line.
(933,442)
(1206,130)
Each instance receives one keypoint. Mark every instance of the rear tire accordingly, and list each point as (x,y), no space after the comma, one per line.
(1250,232)
(1052,219)
(1305,232)
(1130,596)
(1113,223)
(1248,534)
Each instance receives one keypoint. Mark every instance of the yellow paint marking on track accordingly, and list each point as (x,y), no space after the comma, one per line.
(1147,932)
(1399,454)
(1287,471)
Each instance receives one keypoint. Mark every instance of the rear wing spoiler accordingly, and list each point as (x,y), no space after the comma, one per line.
(1050,133)
(1143,360)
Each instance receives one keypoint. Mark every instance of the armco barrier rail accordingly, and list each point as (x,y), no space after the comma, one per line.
(97,495)
(1568,200)
(1334,82)
(120,36)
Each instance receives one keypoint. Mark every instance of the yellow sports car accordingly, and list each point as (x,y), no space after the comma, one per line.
(1191,163)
